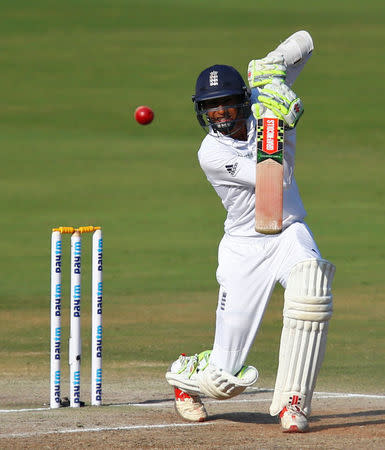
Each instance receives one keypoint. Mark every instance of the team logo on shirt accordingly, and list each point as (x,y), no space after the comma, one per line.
(213,80)
(232,169)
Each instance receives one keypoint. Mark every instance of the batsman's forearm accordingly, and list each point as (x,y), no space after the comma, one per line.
(296,50)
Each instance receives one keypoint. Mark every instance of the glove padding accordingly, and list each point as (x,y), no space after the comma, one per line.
(282,101)
(262,71)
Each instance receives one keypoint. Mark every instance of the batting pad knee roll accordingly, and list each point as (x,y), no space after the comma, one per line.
(308,291)
(221,385)
(307,311)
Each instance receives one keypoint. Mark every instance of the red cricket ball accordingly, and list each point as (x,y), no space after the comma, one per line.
(144,115)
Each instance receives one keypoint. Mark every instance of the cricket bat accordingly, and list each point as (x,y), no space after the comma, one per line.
(296,50)
(269,180)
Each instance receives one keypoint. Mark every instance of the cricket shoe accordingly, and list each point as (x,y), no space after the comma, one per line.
(293,419)
(189,407)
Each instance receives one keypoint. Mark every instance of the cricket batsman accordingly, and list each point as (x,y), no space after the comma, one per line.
(251,263)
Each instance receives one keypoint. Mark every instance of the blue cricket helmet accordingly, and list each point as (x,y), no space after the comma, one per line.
(219,81)
(216,82)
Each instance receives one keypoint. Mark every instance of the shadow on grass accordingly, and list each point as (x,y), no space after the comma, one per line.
(260,418)
(370,415)
(171,399)
(320,422)
(245,417)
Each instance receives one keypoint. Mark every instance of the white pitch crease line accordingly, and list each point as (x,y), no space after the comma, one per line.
(206,400)
(317,395)
(23,410)
(347,395)
(99,429)
(149,404)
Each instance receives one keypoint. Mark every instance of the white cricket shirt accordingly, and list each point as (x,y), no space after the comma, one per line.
(230,167)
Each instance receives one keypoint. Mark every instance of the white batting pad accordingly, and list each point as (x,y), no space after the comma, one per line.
(221,385)
(307,310)
(182,373)
(188,385)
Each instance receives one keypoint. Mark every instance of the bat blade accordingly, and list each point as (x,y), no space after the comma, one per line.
(268,197)
(269,177)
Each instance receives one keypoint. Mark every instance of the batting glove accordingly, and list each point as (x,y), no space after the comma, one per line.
(282,101)
(262,71)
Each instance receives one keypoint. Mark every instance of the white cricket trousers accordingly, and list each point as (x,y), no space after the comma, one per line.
(248,269)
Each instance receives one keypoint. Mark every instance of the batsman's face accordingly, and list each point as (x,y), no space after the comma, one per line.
(224,112)
(222,109)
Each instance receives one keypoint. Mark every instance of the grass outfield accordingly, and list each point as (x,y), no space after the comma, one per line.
(71,77)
